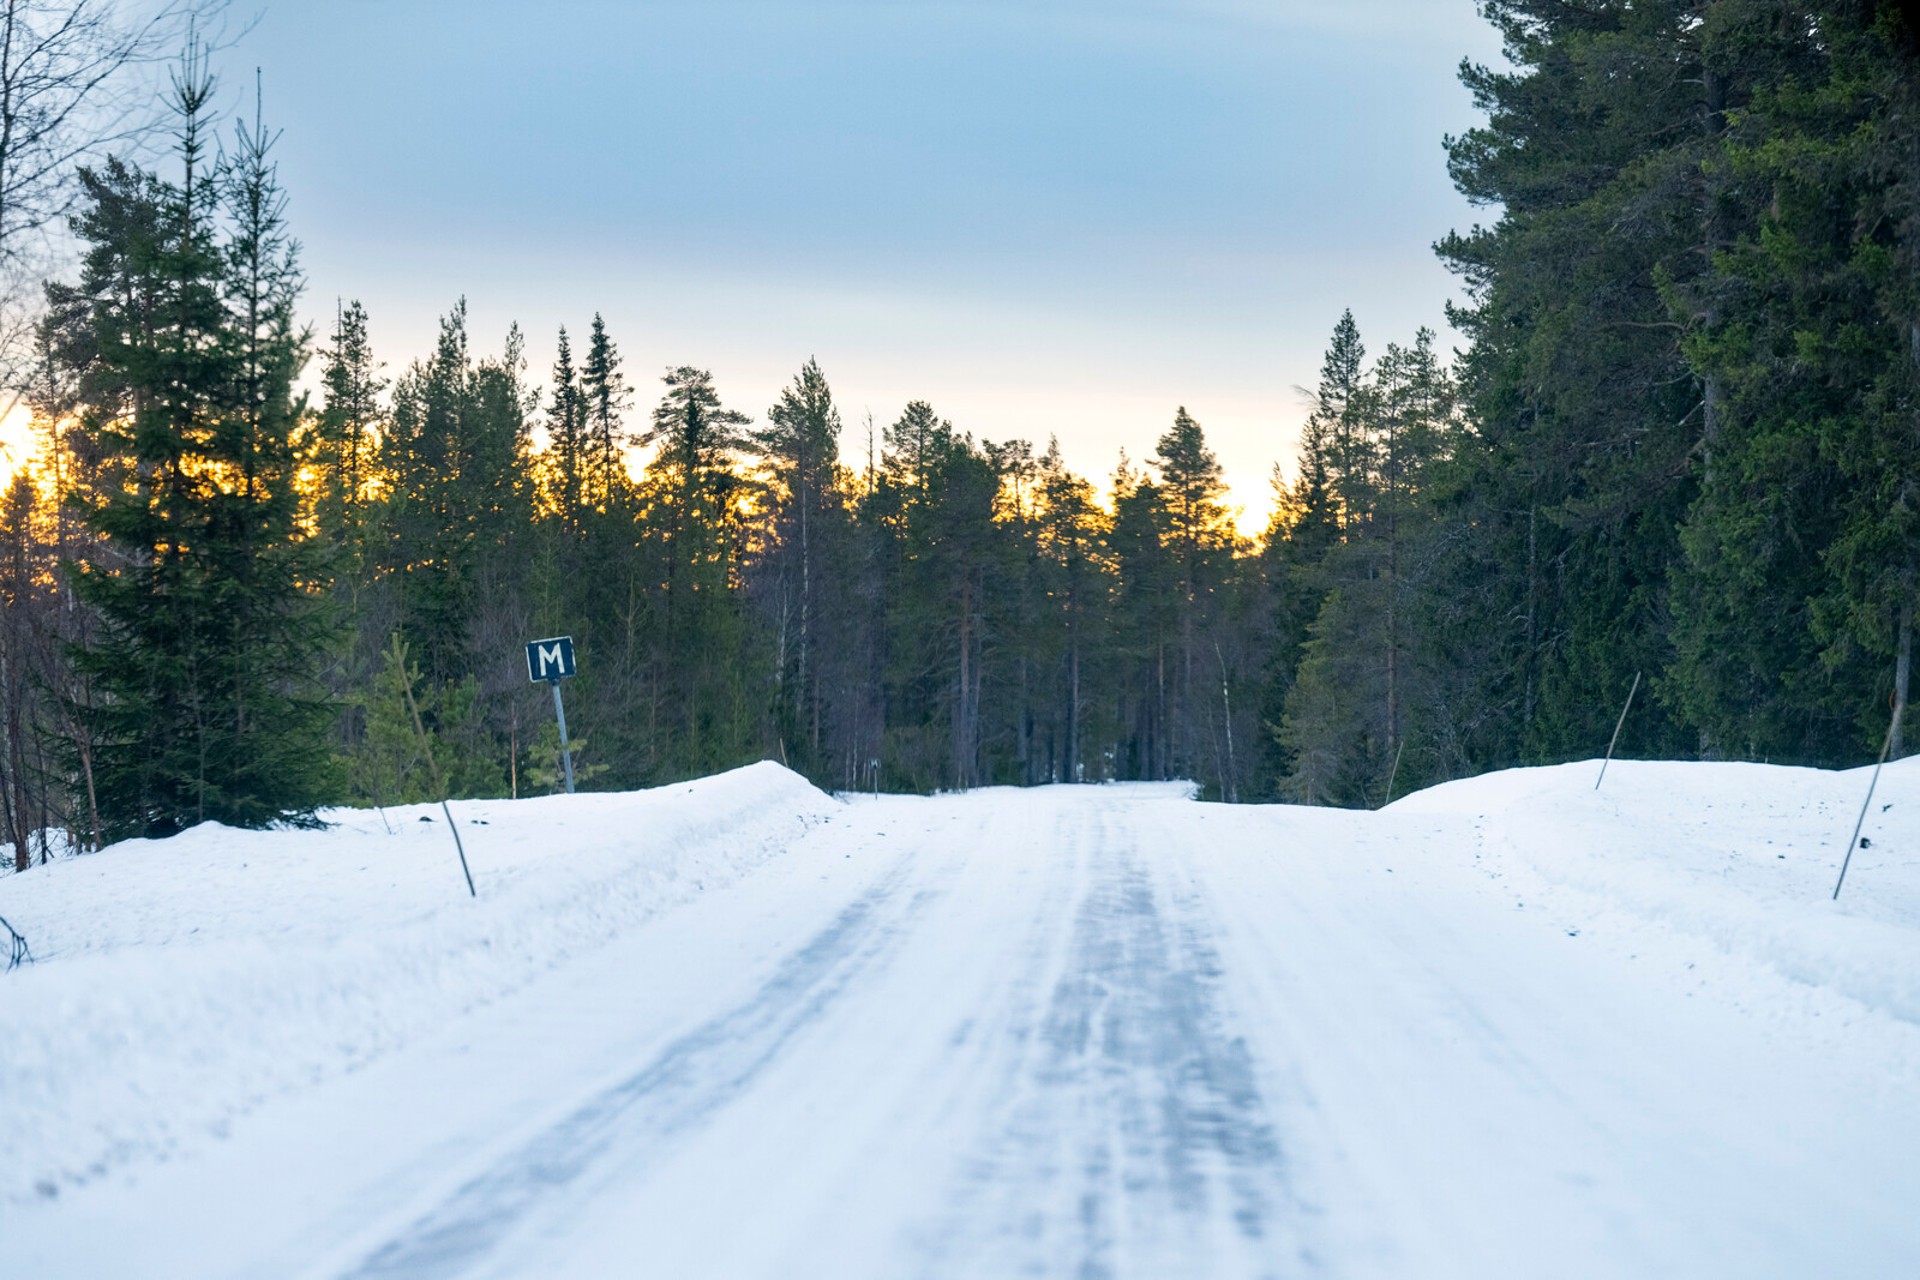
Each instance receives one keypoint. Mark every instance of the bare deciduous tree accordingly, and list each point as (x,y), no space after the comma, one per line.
(72,87)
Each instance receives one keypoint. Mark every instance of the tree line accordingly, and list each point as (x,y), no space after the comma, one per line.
(1692,379)
(1679,441)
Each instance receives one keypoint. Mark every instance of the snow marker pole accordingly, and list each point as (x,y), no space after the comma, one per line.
(17,951)
(433,766)
(1864,806)
(460,848)
(1618,725)
(1394,772)
(1232,789)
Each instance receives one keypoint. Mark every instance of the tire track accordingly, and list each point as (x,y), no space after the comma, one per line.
(682,1086)
(1138,1141)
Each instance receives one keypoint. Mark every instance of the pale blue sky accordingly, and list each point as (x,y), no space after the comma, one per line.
(1055,216)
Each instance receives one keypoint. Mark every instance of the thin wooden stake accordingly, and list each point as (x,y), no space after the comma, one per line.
(1618,725)
(17,950)
(433,766)
(1394,772)
(460,848)
(1866,804)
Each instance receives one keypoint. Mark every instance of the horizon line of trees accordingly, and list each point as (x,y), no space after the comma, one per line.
(1683,440)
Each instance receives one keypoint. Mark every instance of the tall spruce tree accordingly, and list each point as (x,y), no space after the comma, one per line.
(1343,450)
(568,445)
(1785,328)
(458,504)
(1874,78)
(1597,155)
(346,436)
(604,397)
(201,679)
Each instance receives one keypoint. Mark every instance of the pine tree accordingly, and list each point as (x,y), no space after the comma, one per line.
(934,506)
(1200,541)
(394,763)
(30,790)
(1071,532)
(1146,628)
(705,652)
(800,446)
(913,442)
(694,433)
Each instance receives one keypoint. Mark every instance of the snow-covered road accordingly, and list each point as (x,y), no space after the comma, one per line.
(1075,1032)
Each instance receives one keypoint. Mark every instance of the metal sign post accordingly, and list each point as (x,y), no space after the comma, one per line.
(566,752)
(551,660)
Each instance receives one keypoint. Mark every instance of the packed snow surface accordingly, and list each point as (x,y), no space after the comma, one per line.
(1511,1026)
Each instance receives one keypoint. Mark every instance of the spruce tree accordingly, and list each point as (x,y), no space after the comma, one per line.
(202,678)
(459,504)
(568,446)
(347,432)
(1200,540)
(1339,423)
(605,397)
(1786,328)
(1597,153)
(1856,132)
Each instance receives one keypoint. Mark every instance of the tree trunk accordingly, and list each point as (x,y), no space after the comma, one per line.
(1712,239)
(1158,742)
(1073,697)
(1533,639)
(1393,630)
(807,680)
(962,774)
(1902,672)
(1231,790)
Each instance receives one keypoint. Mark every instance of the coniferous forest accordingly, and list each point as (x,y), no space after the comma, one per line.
(1678,443)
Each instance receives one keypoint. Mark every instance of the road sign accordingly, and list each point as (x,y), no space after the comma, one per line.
(550,659)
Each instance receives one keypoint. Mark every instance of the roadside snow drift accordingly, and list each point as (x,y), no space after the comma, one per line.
(181,981)
(739,1030)
(1741,857)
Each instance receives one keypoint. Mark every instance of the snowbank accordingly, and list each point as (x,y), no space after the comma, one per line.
(1742,857)
(180,982)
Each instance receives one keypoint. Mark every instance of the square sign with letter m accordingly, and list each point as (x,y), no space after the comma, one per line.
(550,660)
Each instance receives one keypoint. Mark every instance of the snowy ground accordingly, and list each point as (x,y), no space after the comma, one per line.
(736,1028)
